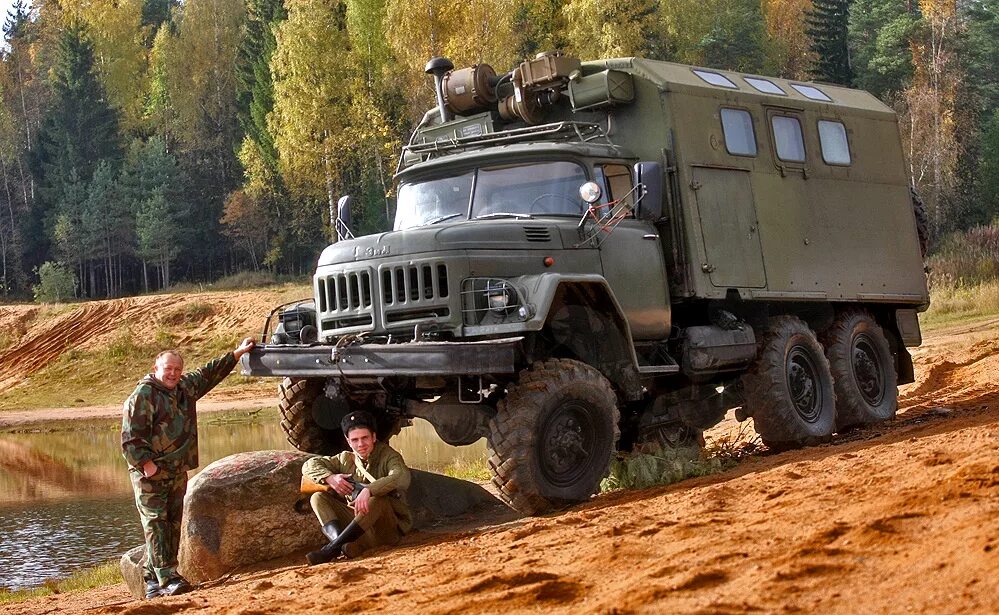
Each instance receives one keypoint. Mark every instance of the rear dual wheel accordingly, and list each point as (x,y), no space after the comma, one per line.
(863,370)
(789,388)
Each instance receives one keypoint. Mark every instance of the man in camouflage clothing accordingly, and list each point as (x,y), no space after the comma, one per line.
(353,517)
(159,439)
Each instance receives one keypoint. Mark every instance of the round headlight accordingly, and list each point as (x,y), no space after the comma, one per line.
(590,192)
(499,295)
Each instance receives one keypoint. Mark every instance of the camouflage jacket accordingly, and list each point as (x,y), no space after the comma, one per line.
(162,425)
(384,464)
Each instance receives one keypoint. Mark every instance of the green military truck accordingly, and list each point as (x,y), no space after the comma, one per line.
(587,256)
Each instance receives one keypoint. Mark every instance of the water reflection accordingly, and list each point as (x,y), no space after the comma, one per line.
(52,539)
(66,502)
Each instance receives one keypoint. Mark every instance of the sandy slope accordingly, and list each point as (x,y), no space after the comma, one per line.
(903,517)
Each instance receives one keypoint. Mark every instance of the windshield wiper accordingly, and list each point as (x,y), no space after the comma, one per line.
(504,214)
(442,218)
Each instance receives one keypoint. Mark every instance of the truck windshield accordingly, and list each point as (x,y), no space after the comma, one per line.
(531,189)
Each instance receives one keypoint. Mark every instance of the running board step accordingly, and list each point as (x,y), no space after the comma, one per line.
(648,370)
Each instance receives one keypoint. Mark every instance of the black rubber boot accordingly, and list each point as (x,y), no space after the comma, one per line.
(176,586)
(332,530)
(153,589)
(349,534)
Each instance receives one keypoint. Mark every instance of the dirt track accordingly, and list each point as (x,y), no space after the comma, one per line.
(901,517)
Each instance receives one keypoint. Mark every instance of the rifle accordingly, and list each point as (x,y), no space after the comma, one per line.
(308,487)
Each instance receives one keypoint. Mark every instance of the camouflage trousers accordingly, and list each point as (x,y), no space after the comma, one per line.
(161,507)
(381,527)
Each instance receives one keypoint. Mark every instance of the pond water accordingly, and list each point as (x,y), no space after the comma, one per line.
(66,501)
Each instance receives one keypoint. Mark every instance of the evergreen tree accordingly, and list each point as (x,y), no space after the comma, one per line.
(160,226)
(79,131)
(980,54)
(255,90)
(828,23)
(81,128)
(735,41)
(157,12)
(18,17)
(879,36)
(988,178)
(106,230)
(152,191)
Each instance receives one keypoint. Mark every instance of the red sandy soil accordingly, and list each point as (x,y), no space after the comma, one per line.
(901,517)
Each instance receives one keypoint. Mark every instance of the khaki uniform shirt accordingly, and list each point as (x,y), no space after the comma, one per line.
(385,465)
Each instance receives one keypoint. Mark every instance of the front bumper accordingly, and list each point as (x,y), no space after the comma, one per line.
(499,356)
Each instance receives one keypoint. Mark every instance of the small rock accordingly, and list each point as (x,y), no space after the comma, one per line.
(131,566)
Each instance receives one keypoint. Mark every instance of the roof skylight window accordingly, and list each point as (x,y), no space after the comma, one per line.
(715,79)
(812,92)
(765,85)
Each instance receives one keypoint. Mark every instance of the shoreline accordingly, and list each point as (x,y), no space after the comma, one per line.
(41,416)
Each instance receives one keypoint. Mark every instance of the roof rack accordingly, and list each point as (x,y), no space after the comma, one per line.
(581,131)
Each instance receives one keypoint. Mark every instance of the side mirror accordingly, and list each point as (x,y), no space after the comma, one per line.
(650,200)
(342,223)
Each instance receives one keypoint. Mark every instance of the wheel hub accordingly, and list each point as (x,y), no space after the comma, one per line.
(565,443)
(867,371)
(803,385)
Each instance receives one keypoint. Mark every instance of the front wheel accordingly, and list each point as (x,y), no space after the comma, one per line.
(310,420)
(551,440)
(789,388)
(863,370)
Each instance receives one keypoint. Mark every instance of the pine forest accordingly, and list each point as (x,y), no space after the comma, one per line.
(148,143)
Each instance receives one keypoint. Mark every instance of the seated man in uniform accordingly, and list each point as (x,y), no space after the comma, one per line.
(356,519)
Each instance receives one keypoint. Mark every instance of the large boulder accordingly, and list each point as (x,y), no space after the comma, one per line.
(433,497)
(246,508)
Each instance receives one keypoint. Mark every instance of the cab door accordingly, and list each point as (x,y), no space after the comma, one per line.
(632,260)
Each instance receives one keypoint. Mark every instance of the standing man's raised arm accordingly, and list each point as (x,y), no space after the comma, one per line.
(200,381)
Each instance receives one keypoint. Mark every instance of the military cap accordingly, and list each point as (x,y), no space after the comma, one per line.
(358,420)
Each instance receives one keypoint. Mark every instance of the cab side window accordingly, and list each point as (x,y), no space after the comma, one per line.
(835,147)
(737,126)
(788,138)
(615,181)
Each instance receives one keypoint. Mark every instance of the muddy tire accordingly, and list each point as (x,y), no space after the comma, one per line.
(553,436)
(301,401)
(789,388)
(863,370)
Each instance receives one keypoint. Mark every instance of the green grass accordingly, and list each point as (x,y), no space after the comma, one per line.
(950,305)
(89,578)
(107,375)
(652,464)
(476,470)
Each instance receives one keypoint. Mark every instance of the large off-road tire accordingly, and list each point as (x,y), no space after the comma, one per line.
(301,401)
(789,388)
(553,436)
(863,370)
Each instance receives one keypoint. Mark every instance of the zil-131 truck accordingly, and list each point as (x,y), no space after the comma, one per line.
(590,256)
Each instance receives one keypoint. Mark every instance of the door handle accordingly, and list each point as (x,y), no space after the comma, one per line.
(650,236)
